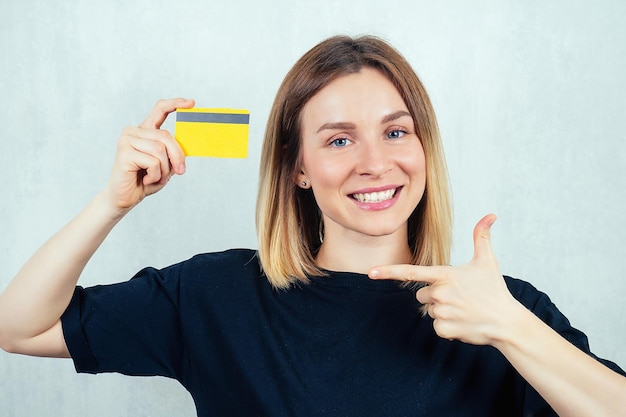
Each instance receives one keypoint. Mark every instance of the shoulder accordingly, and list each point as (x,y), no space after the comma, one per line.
(203,270)
(230,268)
(538,302)
(527,294)
(228,261)
(543,307)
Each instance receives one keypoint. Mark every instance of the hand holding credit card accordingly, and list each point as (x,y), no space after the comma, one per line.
(219,133)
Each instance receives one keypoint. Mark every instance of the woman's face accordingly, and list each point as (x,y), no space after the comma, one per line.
(361,156)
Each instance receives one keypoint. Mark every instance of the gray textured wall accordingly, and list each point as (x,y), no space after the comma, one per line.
(530,97)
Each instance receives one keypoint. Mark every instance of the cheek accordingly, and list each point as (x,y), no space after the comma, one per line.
(327,181)
(413,162)
(324,173)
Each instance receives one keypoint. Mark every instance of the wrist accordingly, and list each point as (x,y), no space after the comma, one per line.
(512,327)
(106,202)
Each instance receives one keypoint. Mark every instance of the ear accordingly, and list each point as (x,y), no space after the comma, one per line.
(302,180)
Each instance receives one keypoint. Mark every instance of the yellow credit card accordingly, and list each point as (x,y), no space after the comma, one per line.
(220,133)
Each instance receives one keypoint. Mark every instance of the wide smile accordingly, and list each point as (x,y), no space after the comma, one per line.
(376,199)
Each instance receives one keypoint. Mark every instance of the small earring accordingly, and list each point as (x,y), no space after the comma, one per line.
(303,183)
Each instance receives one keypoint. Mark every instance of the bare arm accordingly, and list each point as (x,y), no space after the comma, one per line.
(572,382)
(472,303)
(32,304)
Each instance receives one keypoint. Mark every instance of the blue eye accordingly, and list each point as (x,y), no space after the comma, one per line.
(396,134)
(340,142)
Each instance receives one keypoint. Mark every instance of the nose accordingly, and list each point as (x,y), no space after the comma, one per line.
(373,159)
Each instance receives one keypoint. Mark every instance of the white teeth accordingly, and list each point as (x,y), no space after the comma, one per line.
(374,197)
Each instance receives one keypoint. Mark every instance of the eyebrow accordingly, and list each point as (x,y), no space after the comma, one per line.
(350,126)
(394,116)
(336,126)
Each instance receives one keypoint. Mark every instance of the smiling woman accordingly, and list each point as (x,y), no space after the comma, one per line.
(367,188)
(289,221)
(353,205)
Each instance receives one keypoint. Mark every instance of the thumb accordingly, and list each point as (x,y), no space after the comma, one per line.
(482,237)
(162,109)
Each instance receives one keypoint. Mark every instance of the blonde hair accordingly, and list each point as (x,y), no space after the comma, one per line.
(287,217)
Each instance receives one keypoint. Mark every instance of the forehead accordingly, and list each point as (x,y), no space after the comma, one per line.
(353,97)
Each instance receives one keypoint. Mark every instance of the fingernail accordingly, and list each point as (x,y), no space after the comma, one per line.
(374,273)
(181,169)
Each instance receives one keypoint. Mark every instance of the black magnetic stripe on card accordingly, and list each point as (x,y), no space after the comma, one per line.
(232,118)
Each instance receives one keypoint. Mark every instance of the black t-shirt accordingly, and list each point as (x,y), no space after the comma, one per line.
(342,345)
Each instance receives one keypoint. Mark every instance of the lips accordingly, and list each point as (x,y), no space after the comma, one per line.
(374,197)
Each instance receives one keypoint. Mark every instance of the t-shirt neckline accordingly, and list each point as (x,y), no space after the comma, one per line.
(355,280)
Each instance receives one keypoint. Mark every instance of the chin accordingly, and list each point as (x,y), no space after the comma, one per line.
(380,231)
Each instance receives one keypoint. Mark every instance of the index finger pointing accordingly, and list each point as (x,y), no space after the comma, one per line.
(405,272)
(161,109)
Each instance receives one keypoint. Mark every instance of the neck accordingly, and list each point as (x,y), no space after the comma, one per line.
(359,253)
